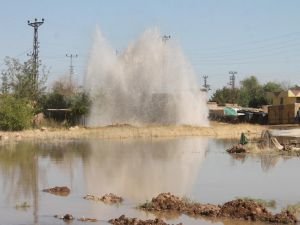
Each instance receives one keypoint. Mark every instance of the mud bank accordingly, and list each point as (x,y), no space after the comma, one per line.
(236,209)
(215,130)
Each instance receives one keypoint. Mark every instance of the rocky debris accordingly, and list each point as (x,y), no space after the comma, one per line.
(62,191)
(66,217)
(83,219)
(107,198)
(123,220)
(236,209)
(236,149)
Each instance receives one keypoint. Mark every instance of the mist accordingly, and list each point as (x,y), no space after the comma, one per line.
(150,82)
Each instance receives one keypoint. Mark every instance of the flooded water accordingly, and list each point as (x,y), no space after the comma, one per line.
(137,170)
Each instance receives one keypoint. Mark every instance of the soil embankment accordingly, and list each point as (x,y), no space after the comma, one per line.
(215,130)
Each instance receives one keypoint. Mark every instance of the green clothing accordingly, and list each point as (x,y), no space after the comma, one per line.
(243,139)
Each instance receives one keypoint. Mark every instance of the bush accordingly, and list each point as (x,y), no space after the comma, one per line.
(15,114)
(75,106)
(80,105)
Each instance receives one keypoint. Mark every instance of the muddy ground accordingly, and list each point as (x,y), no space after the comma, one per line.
(237,209)
(123,220)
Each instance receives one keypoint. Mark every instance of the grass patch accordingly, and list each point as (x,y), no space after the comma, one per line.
(23,205)
(266,203)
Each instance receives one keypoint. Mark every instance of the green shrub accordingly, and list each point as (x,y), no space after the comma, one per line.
(15,114)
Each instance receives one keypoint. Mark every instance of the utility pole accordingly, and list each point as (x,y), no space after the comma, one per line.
(35,52)
(232,79)
(232,84)
(165,38)
(206,86)
(71,56)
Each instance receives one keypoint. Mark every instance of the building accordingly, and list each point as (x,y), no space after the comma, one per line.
(284,106)
(290,96)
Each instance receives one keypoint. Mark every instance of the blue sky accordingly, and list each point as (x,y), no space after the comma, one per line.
(252,37)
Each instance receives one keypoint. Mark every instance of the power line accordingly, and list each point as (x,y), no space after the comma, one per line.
(35,52)
(71,56)
(260,41)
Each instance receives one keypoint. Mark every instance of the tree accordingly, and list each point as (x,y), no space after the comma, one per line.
(273,87)
(17,79)
(225,95)
(80,105)
(65,87)
(15,114)
(252,93)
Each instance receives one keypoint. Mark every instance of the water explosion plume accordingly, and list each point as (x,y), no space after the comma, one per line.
(151,82)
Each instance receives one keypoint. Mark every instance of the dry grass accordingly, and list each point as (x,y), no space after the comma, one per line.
(216,130)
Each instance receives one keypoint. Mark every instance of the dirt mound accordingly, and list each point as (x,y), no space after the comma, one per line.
(122,220)
(62,191)
(107,198)
(241,209)
(250,210)
(66,217)
(236,149)
(236,209)
(111,198)
(167,201)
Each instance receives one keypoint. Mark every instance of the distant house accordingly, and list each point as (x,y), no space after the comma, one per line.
(284,106)
(290,96)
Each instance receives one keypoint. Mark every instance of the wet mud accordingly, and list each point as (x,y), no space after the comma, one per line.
(107,198)
(61,191)
(123,220)
(237,209)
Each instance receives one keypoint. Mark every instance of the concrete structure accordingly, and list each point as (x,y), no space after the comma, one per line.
(290,96)
(284,107)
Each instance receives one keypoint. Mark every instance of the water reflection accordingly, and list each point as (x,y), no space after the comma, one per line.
(137,170)
(268,161)
(128,167)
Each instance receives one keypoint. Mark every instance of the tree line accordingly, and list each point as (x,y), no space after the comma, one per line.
(251,93)
(22,97)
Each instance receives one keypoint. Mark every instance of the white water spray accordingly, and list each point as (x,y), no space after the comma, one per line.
(150,82)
